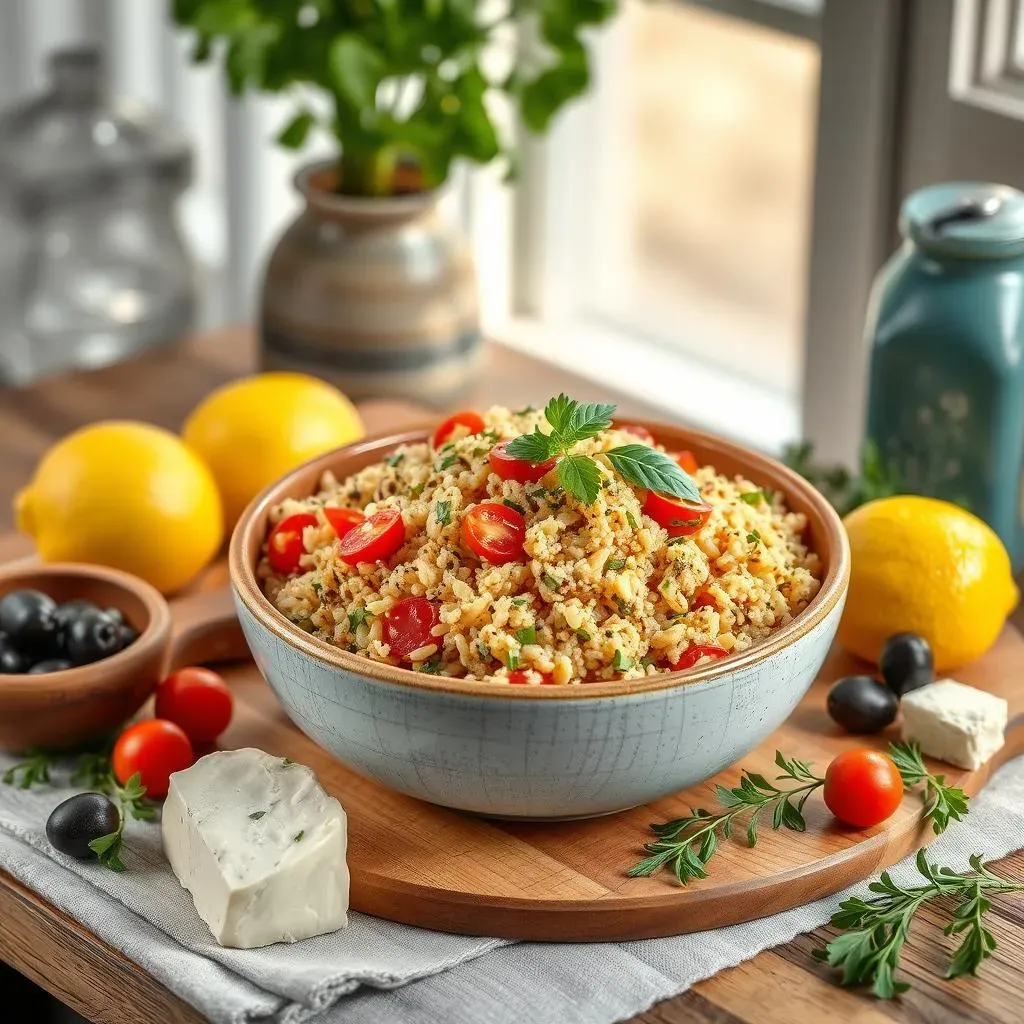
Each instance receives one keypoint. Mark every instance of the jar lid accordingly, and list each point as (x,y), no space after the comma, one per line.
(966,219)
(73,139)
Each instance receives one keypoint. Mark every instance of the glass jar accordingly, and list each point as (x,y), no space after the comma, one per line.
(93,266)
(946,329)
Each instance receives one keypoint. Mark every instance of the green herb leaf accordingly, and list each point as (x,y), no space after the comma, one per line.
(620,661)
(549,581)
(299,835)
(483,650)
(417,489)
(631,519)
(614,564)
(448,461)
(512,661)
(586,420)
(514,505)
(394,460)
(527,635)
(942,803)
(647,467)
(753,497)
(356,618)
(520,601)
(580,477)
(559,412)
(443,513)
(356,69)
(753,538)
(584,635)
(33,771)
(535,447)
(296,131)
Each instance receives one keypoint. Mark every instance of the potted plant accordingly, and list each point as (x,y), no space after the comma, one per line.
(368,286)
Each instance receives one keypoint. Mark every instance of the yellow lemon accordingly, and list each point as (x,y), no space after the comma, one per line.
(250,433)
(127,495)
(925,566)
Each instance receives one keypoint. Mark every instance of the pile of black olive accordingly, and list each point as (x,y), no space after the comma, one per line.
(38,635)
(863,704)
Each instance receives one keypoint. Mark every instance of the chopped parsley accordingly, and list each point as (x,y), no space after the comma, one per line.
(417,489)
(395,459)
(520,600)
(624,609)
(583,635)
(646,662)
(753,538)
(525,411)
(477,452)
(448,461)
(443,513)
(513,660)
(549,581)
(431,667)
(483,650)
(256,815)
(298,835)
(527,635)
(490,435)
(753,497)
(620,661)
(614,564)
(356,618)
(514,505)
(631,519)
(318,588)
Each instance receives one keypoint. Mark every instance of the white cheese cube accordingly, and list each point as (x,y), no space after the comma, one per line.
(260,846)
(954,722)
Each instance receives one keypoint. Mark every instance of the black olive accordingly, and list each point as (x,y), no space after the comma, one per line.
(28,619)
(128,635)
(80,819)
(90,636)
(72,609)
(116,614)
(861,704)
(50,665)
(12,662)
(906,663)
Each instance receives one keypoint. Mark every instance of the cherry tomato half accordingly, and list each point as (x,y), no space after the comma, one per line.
(508,467)
(686,461)
(472,421)
(197,700)
(641,433)
(407,625)
(284,545)
(495,532)
(520,676)
(343,519)
(703,600)
(154,748)
(693,654)
(374,539)
(678,516)
(863,787)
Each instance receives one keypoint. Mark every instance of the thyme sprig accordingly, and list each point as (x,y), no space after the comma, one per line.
(941,802)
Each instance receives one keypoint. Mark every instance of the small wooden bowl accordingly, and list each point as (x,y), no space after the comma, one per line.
(64,709)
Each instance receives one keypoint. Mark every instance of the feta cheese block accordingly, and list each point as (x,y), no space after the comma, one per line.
(260,846)
(954,722)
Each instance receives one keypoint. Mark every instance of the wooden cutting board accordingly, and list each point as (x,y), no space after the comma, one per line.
(448,870)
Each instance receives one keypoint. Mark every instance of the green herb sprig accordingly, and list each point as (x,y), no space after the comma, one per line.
(34,770)
(132,802)
(941,802)
(875,930)
(571,422)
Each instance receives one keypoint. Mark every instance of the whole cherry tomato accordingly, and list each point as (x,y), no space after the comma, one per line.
(678,516)
(407,625)
(495,532)
(508,467)
(472,421)
(284,545)
(343,519)
(196,699)
(693,654)
(155,749)
(863,787)
(375,539)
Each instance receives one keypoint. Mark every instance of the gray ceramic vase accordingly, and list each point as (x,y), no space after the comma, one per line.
(376,295)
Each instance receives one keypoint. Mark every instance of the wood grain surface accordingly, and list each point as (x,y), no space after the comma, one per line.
(779,986)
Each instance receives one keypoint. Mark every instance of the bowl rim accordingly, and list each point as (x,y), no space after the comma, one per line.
(255,602)
(107,674)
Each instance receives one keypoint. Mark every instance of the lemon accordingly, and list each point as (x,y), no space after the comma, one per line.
(250,433)
(925,566)
(127,495)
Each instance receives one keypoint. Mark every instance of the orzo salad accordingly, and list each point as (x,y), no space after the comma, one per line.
(539,547)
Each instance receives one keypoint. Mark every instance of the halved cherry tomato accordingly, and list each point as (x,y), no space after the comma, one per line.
(155,749)
(693,654)
(863,787)
(343,519)
(284,545)
(374,539)
(703,600)
(495,532)
(472,421)
(508,467)
(197,700)
(678,516)
(522,676)
(686,460)
(407,625)
(642,433)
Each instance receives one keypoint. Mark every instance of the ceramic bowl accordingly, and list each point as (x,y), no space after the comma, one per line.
(540,751)
(65,709)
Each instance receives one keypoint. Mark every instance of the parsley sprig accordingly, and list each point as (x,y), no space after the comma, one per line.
(571,422)
(35,769)
(131,800)
(876,929)
(941,802)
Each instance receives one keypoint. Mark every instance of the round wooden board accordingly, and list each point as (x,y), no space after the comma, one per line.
(424,865)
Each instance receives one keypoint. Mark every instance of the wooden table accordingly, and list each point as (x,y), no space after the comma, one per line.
(780,986)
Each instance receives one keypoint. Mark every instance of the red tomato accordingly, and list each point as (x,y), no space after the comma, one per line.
(495,532)
(473,422)
(407,625)
(687,461)
(343,519)
(374,539)
(678,516)
(284,545)
(197,700)
(640,433)
(863,787)
(521,676)
(703,600)
(154,748)
(693,654)
(508,467)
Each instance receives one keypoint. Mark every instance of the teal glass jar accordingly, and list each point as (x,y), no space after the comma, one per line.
(946,330)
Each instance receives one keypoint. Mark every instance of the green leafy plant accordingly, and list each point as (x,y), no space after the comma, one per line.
(579,475)
(401,80)
(845,490)
(941,802)
(876,929)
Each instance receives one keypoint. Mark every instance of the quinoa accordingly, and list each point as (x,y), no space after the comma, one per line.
(602,591)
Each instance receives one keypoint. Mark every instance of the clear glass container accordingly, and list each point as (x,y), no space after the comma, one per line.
(93,266)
